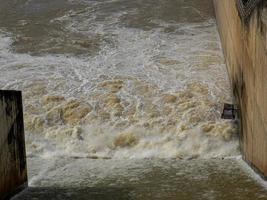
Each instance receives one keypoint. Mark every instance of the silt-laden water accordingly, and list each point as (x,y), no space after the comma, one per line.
(122,98)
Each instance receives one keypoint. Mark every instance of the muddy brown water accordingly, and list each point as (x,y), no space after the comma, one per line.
(137,85)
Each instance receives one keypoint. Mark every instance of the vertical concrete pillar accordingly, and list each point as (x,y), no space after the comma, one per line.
(243,29)
(13,171)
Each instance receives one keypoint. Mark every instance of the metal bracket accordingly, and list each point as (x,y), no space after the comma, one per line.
(229,111)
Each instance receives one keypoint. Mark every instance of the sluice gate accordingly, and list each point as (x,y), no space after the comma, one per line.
(243,30)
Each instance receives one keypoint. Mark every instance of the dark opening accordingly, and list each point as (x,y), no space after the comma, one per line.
(245,2)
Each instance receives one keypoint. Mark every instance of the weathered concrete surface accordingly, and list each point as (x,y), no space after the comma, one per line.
(13,173)
(245,49)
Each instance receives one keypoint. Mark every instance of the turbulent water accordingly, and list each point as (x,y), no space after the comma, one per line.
(122,100)
(118,78)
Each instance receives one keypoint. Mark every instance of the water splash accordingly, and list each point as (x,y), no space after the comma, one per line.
(146,93)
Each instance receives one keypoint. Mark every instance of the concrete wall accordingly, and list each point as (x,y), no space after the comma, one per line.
(245,49)
(13,173)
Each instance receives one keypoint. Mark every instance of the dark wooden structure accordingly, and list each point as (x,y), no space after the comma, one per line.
(13,172)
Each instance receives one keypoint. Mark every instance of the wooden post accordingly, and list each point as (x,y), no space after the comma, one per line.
(13,170)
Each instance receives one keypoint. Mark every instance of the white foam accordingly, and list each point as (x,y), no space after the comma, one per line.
(150,64)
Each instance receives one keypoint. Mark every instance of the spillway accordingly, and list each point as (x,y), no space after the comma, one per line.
(123,99)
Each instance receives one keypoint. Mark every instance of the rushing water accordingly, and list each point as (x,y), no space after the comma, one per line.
(142,179)
(126,80)
(118,79)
